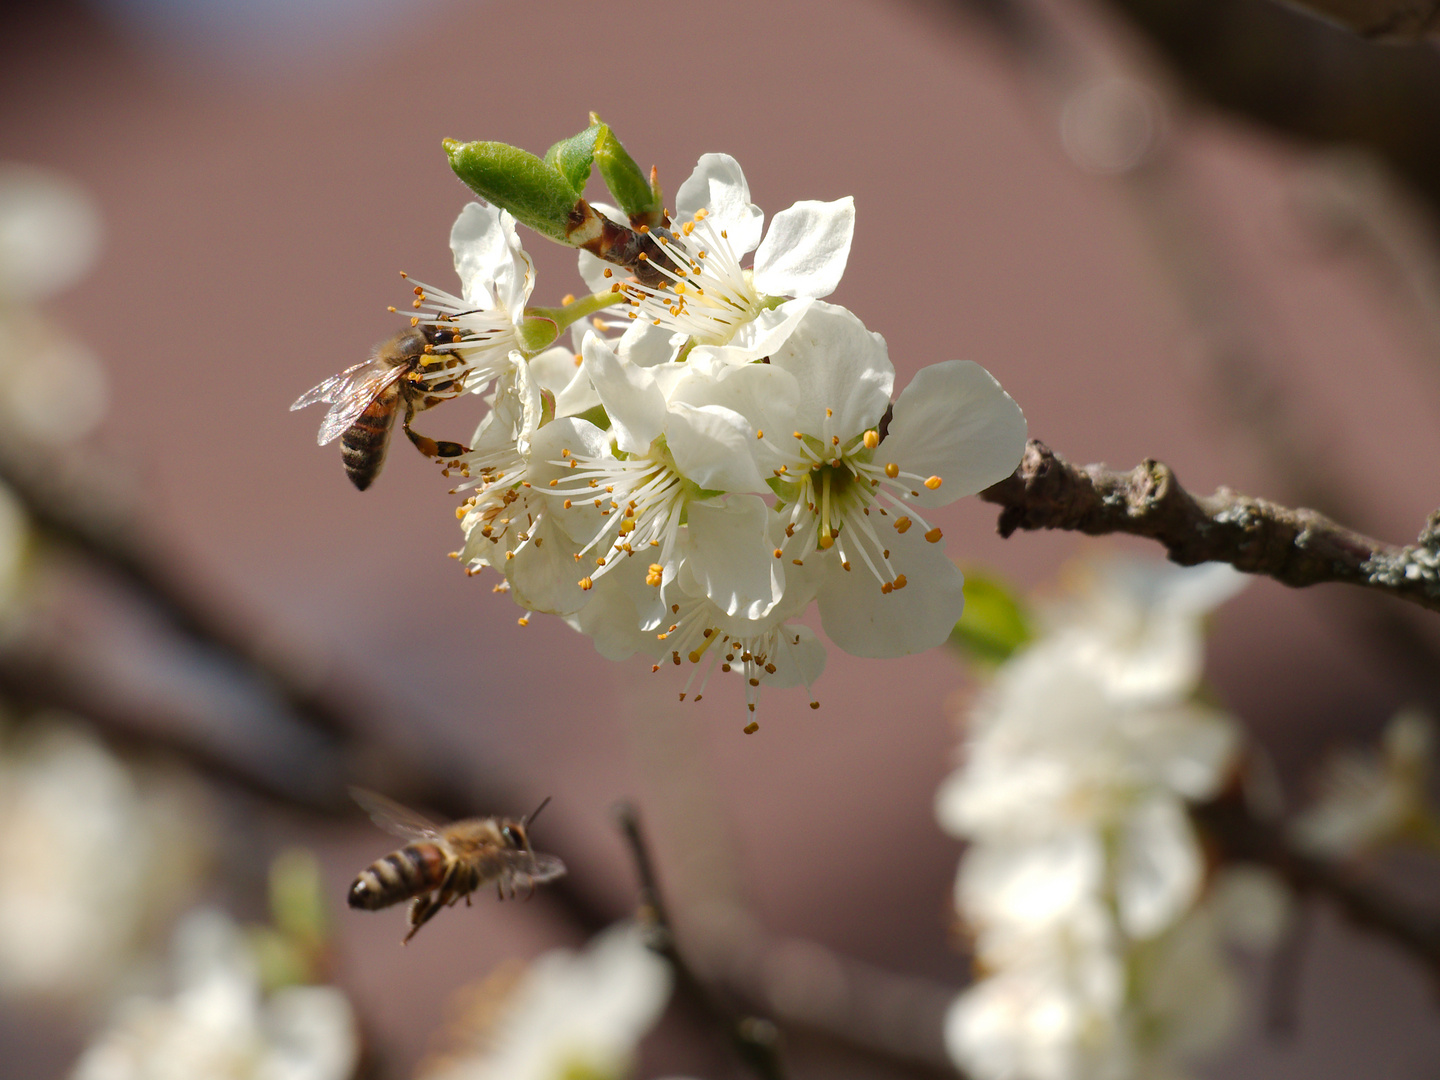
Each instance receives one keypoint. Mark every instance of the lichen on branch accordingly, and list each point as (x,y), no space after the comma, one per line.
(1297,547)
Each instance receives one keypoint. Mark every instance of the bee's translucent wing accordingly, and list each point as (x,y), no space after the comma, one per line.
(538,868)
(395,819)
(352,392)
(547,868)
(331,388)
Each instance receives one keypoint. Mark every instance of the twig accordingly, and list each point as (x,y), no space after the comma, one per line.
(1245,838)
(1296,547)
(753,1038)
(1378,20)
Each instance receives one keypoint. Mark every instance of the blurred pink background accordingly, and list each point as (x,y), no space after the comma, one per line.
(259,196)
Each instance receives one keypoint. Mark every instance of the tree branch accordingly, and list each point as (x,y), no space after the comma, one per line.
(1246,838)
(1296,547)
(754,1039)
(1378,20)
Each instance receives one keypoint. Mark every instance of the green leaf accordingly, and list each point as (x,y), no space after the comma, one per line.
(994,623)
(572,157)
(518,181)
(297,898)
(630,186)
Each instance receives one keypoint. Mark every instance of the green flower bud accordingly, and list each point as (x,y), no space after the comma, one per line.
(572,157)
(518,181)
(632,189)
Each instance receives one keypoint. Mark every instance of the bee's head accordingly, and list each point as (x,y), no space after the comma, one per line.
(513,833)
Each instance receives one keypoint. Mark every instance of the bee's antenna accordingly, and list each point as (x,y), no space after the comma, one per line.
(536,812)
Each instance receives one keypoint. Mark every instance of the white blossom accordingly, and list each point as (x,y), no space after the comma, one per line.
(693,486)
(107,855)
(570,1015)
(218,1024)
(1367,800)
(497,277)
(1098,947)
(708,296)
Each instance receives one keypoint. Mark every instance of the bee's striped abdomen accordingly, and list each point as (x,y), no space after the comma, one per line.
(363,445)
(413,870)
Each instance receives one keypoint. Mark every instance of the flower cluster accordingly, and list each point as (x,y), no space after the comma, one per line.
(722,449)
(1369,800)
(73,816)
(219,1023)
(1096,943)
(567,1015)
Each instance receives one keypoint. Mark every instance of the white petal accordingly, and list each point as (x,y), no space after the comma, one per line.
(718,186)
(634,403)
(805,251)
(799,660)
(592,270)
(865,622)
(839,366)
(712,447)
(757,339)
(543,577)
(646,345)
(761,393)
(731,558)
(1034,885)
(494,270)
(612,618)
(582,439)
(1157,873)
(555,370)
(953,421)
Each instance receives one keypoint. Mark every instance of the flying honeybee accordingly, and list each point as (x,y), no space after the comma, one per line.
(442,863)
(364,399)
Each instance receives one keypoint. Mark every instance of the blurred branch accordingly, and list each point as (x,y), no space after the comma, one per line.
(755,1040)
(1244,837)
(1296,547)
(91,522)
(1378,20)
(808,987)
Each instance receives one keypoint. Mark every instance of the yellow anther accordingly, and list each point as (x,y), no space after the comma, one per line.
(751,727)
(567,299)
(892,470)
(900,581)
(934,536)
(887,588)
(586,584)
(933,483)
(523,621)
(778,553)
(759,434)
(872,439)
(902,524)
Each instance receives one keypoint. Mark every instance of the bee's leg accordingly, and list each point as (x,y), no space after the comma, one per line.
(467,900)
(422,910)
(499,890)
(434,448)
